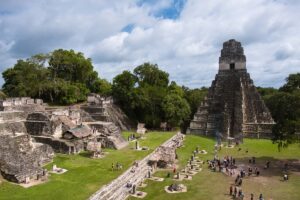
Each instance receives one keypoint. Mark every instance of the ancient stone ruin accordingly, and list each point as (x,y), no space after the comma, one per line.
(165,155)
(21,158)
(104,109)
(232,107)
(30,131)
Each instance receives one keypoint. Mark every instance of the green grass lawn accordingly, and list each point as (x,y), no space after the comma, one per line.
(85,175)
(215,185)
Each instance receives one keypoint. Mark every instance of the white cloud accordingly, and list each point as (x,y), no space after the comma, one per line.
(187,47)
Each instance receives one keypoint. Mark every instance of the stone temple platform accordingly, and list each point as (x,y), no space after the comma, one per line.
(233,108)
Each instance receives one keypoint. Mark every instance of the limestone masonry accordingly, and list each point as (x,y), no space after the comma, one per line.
(31,131)
(232,107)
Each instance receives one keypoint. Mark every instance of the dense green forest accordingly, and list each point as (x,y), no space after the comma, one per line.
(146,94)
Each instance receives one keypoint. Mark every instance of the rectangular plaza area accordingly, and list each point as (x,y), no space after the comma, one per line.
(208,184)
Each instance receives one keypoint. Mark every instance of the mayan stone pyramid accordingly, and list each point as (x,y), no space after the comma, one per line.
(232,108)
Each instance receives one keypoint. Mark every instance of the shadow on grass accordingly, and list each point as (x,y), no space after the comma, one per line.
(85,154)
(277,166)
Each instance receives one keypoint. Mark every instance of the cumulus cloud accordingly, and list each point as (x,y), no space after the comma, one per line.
(183,37)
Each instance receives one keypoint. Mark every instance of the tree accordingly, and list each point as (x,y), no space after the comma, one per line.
(141,94)
(175,89)
(292,83)
(26,78)
(285,109)
(176,109)
(267,93)
(150,74)
(71,66)
(102,87)
(62,77)
(2,95)
(122,91)
(284,106)
(152,88)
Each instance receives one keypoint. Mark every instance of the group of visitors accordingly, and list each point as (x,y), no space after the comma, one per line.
(227,165)
(237,193)
(118,166)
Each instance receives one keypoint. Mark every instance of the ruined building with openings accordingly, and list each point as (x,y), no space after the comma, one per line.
(31,131)
(233,108)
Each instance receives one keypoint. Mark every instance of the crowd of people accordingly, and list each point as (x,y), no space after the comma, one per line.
(226,165)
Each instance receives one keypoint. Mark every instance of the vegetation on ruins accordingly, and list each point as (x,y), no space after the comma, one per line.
(61,77)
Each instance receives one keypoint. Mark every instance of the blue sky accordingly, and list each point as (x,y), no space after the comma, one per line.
(184,37)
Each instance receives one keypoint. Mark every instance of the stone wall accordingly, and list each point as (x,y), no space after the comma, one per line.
(25,104)
(104,109)
(22,158)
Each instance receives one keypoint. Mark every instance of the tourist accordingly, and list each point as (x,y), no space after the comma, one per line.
(231,190)
(242,196)
(237,179)
(128,185)
(235,191)
(240,181)
(133,189)
(168,175)
(257,173)
(112,167)
(285,177)
(233,161)
(260,197)
(251,196)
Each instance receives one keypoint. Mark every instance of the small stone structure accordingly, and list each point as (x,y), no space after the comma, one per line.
(165,155)
(176,188)
(233,107)
(95,148)
(141,128)
(108,134)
